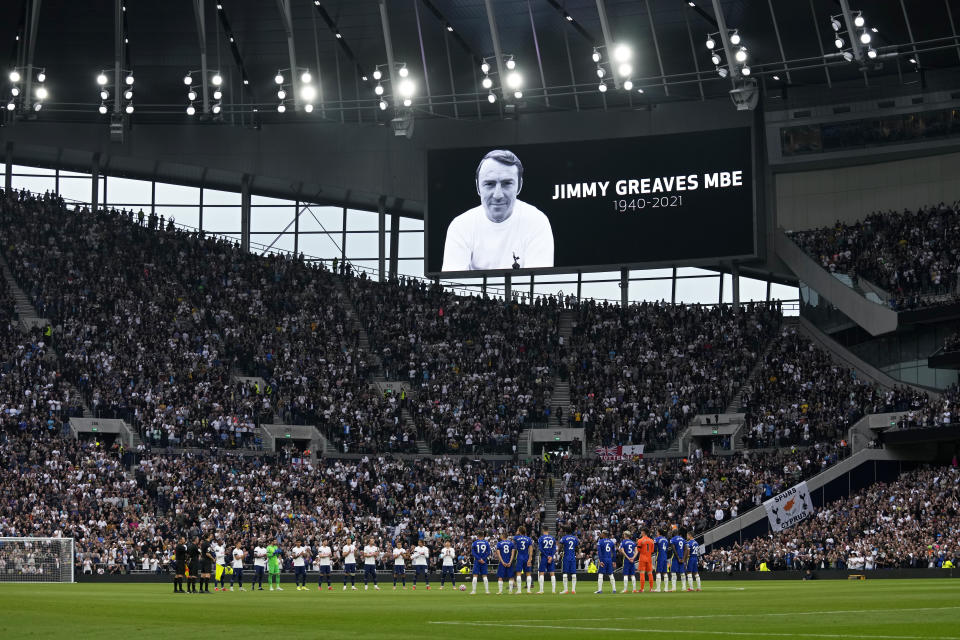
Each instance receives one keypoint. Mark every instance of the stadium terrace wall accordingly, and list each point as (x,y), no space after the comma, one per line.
(812,199)
(586,578)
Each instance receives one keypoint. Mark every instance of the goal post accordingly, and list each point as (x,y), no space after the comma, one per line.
(36,559)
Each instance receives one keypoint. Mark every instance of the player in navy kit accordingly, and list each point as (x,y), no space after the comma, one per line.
(548,557)
(480,550)
(662,547)
(677,544)
(568,545)
(506,556)
(628,549)
(605,551)
(693,562)
(524,545)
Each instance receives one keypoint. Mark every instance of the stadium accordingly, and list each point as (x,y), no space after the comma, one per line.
(367,316)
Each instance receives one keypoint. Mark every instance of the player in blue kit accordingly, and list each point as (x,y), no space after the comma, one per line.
(605,565)
(628,549)
(677,544)
(568,545)
(480,550)
(506,556)
(693,562)
(548,557)
(662,547)
(524,545)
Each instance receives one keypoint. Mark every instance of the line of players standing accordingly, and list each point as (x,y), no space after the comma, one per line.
(679,554)
(201,557)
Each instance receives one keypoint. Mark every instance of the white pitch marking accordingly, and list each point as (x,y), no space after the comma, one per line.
(701,632)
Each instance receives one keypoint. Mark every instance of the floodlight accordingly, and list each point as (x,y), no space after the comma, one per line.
(14,76)
(624,69)
(306,78)
(308,92)
(491,98)
(603,87)
(278,79)
(41,93)
(511,64)
(858,21)
(514,80)
(101,79)
(741,54)
(129,108)
(281,107)
(622,53)
(735,38)
(377,74)
(711,43)
(403,72)
(486,82)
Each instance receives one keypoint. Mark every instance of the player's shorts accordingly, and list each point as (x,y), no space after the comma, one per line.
(644,566)
(238,572)
(662,566)
(259,568)
(421,569)
(399,569)
(506,571)
(607,569)
(547,567)
(693,564)
(629,568)
(179,568)
(676,566)
(447,568)
(369,569)
(523,565)
(350,568)
(195,569)
(570,567)
(480,569)
(206,567)
(325,569)
(300,570)
(274,569)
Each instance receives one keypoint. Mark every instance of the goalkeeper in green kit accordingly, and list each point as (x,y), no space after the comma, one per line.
(273,566)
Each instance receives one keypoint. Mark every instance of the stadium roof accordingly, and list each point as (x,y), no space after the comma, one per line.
(443,42)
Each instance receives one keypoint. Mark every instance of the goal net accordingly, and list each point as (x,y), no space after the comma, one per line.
(36,559)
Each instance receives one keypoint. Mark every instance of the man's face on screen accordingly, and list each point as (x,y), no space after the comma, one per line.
(498,185)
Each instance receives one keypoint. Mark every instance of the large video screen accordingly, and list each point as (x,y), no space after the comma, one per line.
(627,202)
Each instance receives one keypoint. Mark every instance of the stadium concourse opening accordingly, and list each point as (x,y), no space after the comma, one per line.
(513,318)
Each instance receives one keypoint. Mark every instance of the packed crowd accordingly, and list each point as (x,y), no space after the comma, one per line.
(803,396)
(911,255)
(481,370)
(641,375)
(696,493)
(61,487)
(913,522)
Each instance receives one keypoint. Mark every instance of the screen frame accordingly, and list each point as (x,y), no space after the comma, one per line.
(714,261)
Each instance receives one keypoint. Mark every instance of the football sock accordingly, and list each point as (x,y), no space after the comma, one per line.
(698,580)
(553,584)
(474,584)
(633,580)
(540,580)
(600,582)
(564,582)
(626,582)
(574,583)
(674,579)
(613,582)
(486,584)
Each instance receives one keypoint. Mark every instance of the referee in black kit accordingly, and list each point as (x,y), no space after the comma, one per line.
(179,564)
(193,560)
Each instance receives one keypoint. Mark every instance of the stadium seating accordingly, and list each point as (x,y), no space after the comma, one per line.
(911,255)
(912,522)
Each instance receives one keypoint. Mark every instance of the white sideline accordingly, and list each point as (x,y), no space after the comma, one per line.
(698,631)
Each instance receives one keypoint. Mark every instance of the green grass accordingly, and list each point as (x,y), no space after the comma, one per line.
(886,609)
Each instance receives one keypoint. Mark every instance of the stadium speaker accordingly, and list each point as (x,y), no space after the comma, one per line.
(117,127)
(402,125)
(745,96)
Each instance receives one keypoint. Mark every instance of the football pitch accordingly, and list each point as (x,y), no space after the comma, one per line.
(884,609)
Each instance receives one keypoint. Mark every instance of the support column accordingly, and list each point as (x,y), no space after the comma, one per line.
(394,244)
(245,213)
(483,287)
(95,182)
(507,289)
(531,288)
(343,238)
(624,288)
(296,231)
(579,285)
(769,282)
(673,287)
(8,169)
(735,274)
(153,204)
(720,295)
(382,238)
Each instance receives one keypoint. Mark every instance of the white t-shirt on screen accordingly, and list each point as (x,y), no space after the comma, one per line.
(475,243)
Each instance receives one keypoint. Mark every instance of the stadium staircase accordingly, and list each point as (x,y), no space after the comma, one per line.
(867,311)
(561,388)
(550,503)
(736,403)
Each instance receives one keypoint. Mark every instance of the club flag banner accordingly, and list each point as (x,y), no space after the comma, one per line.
(620,453)
(789,507)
